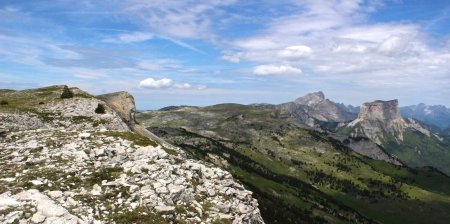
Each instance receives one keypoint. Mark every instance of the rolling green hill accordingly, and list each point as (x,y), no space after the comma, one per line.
(300,175)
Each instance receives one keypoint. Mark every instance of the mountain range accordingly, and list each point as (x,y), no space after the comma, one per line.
(437,115)
(304,157)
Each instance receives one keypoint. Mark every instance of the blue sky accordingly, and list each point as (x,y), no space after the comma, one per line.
(206,52)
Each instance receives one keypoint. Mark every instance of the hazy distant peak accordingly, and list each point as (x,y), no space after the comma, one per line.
(311,98)
(438,115)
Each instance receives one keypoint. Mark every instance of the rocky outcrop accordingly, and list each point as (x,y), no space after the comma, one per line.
(380,118)
(313,109)
(66,163)
(380,110)
(123,104)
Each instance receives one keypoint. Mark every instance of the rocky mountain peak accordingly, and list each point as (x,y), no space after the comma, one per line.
(311,98)
(380,110)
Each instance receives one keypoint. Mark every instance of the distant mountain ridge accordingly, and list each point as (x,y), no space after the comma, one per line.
(437,115)
(314,108)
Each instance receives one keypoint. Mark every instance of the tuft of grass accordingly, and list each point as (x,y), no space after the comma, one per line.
(138,216)
(170,151)
(221,221)
(108,174)
(131,136)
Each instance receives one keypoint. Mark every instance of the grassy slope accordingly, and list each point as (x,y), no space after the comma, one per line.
(303,176)
(419,150)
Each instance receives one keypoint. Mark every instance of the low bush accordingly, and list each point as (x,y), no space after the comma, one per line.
(66,93)
(100,109)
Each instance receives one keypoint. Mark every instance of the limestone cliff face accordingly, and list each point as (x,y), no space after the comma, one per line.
(380,110)
(378,118)
(123,104)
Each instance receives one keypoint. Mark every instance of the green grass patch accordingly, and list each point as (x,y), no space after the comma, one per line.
(131,136)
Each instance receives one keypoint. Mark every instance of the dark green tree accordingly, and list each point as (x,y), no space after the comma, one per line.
(100,109)
(67,93)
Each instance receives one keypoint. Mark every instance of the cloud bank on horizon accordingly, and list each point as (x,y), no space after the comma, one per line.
(209,51)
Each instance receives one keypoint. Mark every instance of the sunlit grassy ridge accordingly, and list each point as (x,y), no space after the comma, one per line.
(300,175)
(28,100)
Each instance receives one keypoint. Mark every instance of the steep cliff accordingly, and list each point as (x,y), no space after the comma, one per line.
(123,103)
(379,118)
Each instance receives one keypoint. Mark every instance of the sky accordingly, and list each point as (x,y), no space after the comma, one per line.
(204,52)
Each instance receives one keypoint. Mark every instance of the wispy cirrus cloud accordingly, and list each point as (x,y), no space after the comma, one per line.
(131,37)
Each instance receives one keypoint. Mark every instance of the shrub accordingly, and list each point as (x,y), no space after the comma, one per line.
(100,109)
(4,102)
(67,93)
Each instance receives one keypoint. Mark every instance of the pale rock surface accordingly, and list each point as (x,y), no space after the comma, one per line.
(378,118)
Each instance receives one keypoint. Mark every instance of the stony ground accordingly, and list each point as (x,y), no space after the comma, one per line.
(99,176)
(70,114)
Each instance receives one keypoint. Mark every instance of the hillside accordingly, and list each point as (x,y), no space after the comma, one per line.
(76,160)
(300,175)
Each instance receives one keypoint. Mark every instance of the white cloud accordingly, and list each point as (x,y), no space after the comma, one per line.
(276,70)
(131,37)
(187,86)
(160,64)
(190,19)
(350,48)
(295,52)
(393,45)
(183,86)
(376,33)
(234,58)
(346,50)
(151,83)
(257,43)
(83,73)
